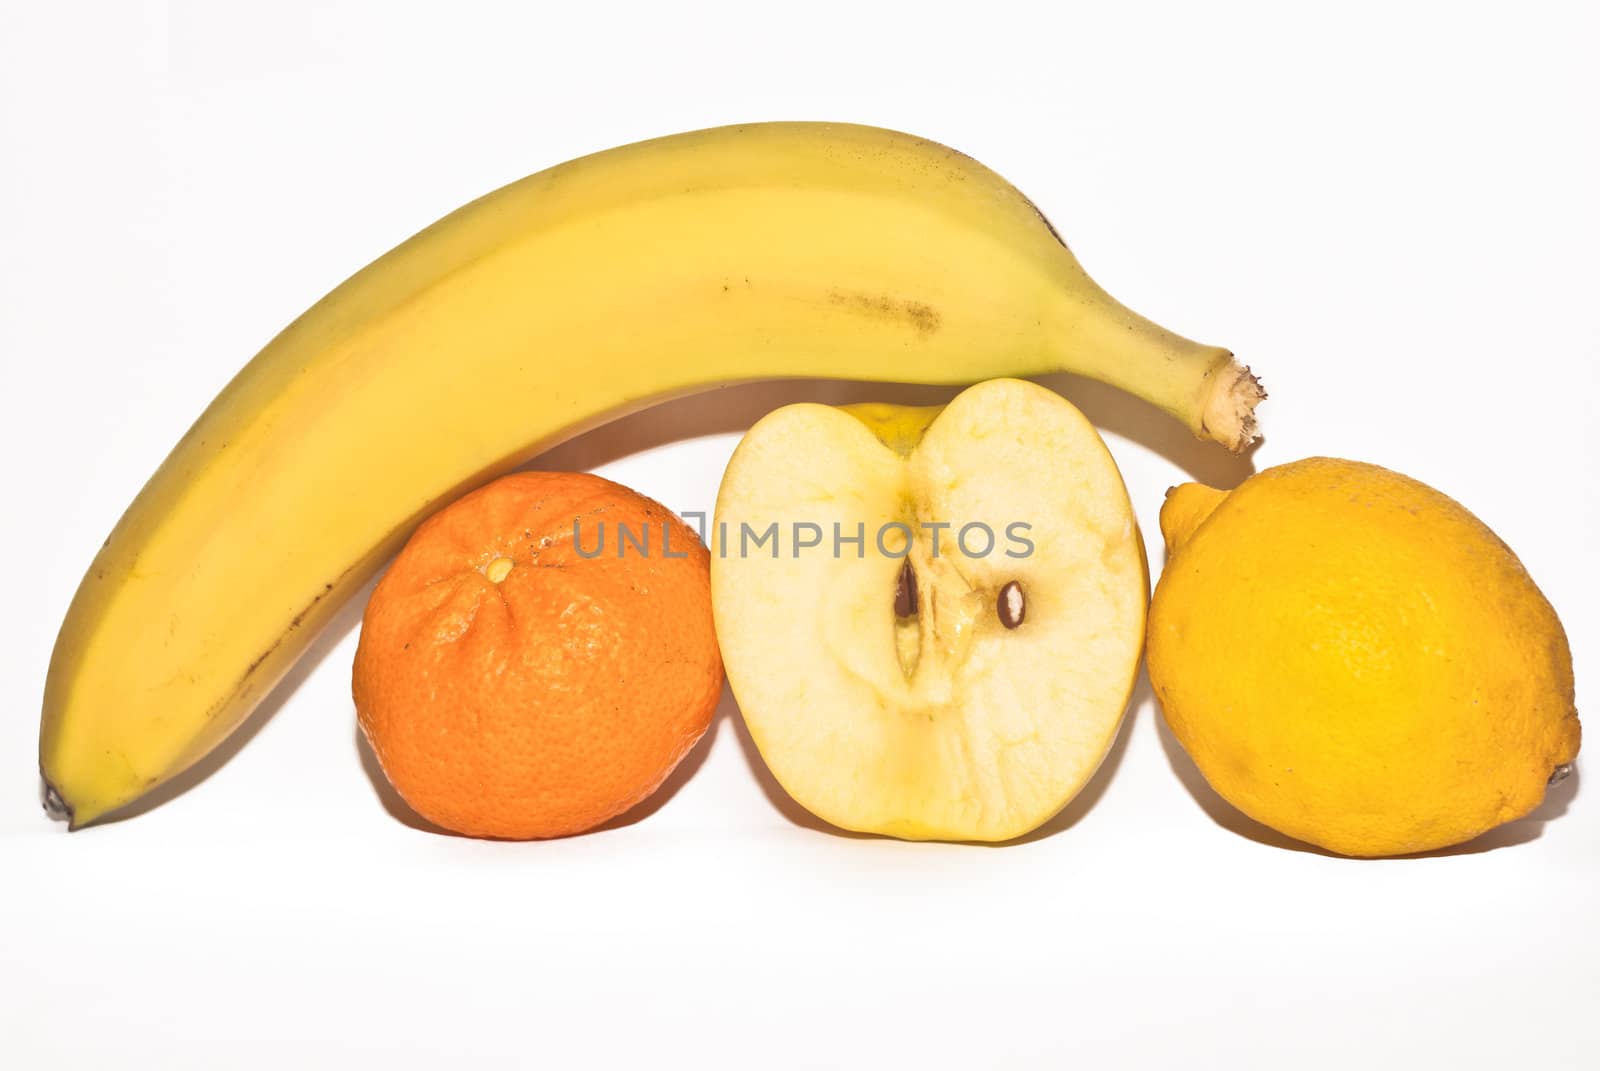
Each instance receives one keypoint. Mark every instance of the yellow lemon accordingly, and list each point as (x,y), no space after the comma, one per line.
(1355,660)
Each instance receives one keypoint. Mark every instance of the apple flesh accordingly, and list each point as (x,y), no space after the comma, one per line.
(968,688)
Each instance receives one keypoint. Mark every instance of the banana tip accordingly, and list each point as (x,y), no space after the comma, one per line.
(55,806)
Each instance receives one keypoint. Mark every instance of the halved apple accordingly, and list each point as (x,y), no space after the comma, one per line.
(931,618)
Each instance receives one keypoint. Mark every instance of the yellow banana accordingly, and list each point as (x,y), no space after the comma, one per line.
(545,308)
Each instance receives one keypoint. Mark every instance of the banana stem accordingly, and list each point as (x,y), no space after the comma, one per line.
(1229,415)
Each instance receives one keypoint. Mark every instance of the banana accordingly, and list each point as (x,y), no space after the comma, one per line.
(526,317)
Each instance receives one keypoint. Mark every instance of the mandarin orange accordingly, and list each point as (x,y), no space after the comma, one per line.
(515,683)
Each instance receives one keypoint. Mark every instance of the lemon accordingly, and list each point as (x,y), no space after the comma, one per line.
(1355,660)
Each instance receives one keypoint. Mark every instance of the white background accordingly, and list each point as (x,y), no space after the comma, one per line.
(1390,212)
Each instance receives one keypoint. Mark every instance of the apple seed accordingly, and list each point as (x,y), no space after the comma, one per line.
(1010,606)
(905,591)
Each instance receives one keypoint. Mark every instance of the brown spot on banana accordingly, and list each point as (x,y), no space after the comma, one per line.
(924,318)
